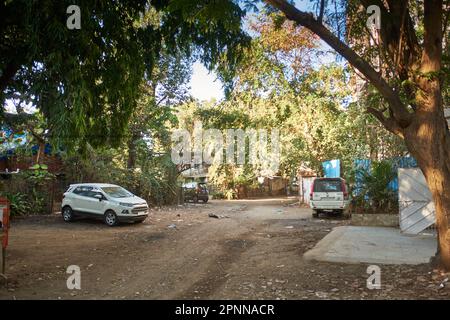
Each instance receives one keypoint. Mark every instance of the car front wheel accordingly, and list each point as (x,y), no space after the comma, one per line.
(67,214)
(110,218)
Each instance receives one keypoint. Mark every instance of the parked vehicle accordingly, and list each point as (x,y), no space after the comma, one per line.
(195,191)
(109,202)
(328,195)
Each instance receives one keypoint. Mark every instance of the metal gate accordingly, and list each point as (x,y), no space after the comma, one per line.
(417,210)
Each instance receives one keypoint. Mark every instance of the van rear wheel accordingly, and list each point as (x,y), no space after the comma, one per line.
(315,214)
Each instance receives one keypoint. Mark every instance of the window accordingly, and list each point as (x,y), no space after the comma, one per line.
(83,191)
(117,192)
(92,194)
(328,185)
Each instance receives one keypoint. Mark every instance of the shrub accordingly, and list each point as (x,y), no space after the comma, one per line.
(18,203)
(374,192)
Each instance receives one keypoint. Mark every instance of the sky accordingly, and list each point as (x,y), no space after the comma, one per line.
(205,85)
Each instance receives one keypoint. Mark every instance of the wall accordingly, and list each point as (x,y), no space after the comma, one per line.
(375,220)
(270,188)
(306,187)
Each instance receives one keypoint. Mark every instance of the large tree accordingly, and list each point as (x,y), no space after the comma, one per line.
(411,41)
(85,82)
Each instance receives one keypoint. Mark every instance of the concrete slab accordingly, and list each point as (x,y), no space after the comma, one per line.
(352,244)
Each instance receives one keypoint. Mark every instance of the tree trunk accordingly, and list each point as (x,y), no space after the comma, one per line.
(427,143)
(40,151)
(428,137)
(428,140)
(131,163)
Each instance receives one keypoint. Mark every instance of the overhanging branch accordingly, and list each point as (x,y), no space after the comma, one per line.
(401,114)
(388,123)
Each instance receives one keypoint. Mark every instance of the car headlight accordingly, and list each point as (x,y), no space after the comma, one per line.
(123,204)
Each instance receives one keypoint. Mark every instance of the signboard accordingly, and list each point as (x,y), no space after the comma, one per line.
(4,221)
(4,227)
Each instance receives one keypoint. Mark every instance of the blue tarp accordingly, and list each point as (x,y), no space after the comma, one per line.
(12,140)
(47,149)
(400,162)
(404,162)
(7,147)
(332,168)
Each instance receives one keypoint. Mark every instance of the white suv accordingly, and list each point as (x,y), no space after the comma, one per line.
(328,195)
(109,202)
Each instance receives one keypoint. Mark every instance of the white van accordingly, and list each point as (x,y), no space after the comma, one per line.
(328,195)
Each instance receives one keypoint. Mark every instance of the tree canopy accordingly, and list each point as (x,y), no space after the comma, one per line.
(86,82)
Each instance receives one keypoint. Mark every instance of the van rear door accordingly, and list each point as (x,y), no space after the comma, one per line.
(328,191)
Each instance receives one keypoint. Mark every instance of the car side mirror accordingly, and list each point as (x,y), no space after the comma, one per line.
(99,197)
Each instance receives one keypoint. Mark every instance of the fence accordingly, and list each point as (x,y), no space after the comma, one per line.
(42,198)
(365,165)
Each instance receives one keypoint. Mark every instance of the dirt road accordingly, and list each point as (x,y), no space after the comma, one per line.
(252,251)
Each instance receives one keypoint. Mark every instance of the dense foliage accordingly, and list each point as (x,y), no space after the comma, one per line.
(85,82)
(277,87)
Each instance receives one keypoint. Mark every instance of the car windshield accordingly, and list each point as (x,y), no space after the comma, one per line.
(334,185)
(117,192)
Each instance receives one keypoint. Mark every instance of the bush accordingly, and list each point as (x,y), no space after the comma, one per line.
(374,193)
(218,195)
(30,191)
(155,179)
(18,203)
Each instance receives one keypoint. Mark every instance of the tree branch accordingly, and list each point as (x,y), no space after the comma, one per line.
(400,111)
(388,123)
(321,11)
(397,35)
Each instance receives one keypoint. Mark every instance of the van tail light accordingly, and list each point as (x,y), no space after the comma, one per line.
(344,189)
